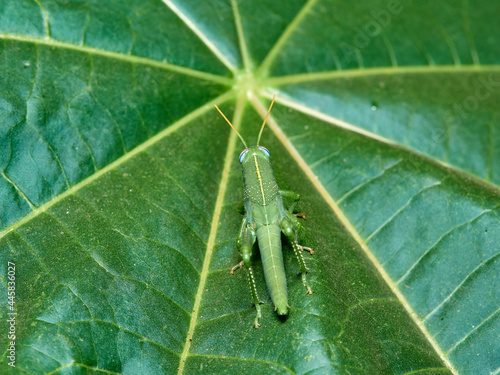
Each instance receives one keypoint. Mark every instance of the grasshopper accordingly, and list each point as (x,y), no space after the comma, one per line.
(265,218)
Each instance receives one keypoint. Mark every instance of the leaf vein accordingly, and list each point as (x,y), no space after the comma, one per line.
(436,243)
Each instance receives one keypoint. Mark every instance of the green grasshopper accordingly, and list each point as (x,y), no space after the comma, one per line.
(264,220)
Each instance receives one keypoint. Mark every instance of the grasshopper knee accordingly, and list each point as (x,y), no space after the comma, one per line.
(247,261)
(246,255)
(245,243)
(287,228)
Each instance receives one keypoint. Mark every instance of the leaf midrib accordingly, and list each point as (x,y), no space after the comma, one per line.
(213,231)
(122,57)
(487,184)
(115,164)
(265,81)
(351,230)
(309,77)
(377,71)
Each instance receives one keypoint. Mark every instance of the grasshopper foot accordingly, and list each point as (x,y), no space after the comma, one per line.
(306,284)
(304,248)
(256,323)
(239,265)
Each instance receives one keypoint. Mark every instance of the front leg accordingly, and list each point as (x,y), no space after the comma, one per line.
(290,195)
(245,242)
(295,199)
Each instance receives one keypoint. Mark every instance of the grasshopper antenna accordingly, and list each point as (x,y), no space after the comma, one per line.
(265,118)
(231,125)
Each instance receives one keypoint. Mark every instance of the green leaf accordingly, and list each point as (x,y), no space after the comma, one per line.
(120,187)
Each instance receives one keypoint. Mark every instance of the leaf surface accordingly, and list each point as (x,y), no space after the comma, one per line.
(120,187)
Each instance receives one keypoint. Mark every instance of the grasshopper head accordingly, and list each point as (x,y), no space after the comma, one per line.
(254,150)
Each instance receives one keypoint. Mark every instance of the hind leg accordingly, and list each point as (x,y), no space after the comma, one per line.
(291,232)
(245,242)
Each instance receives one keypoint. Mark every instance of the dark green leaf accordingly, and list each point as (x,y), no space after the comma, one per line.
(120,187)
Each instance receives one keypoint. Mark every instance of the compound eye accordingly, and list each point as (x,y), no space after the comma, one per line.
(242,155)
(266,151)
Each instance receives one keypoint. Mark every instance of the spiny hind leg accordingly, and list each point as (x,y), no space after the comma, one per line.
(245,242)
(290,231)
